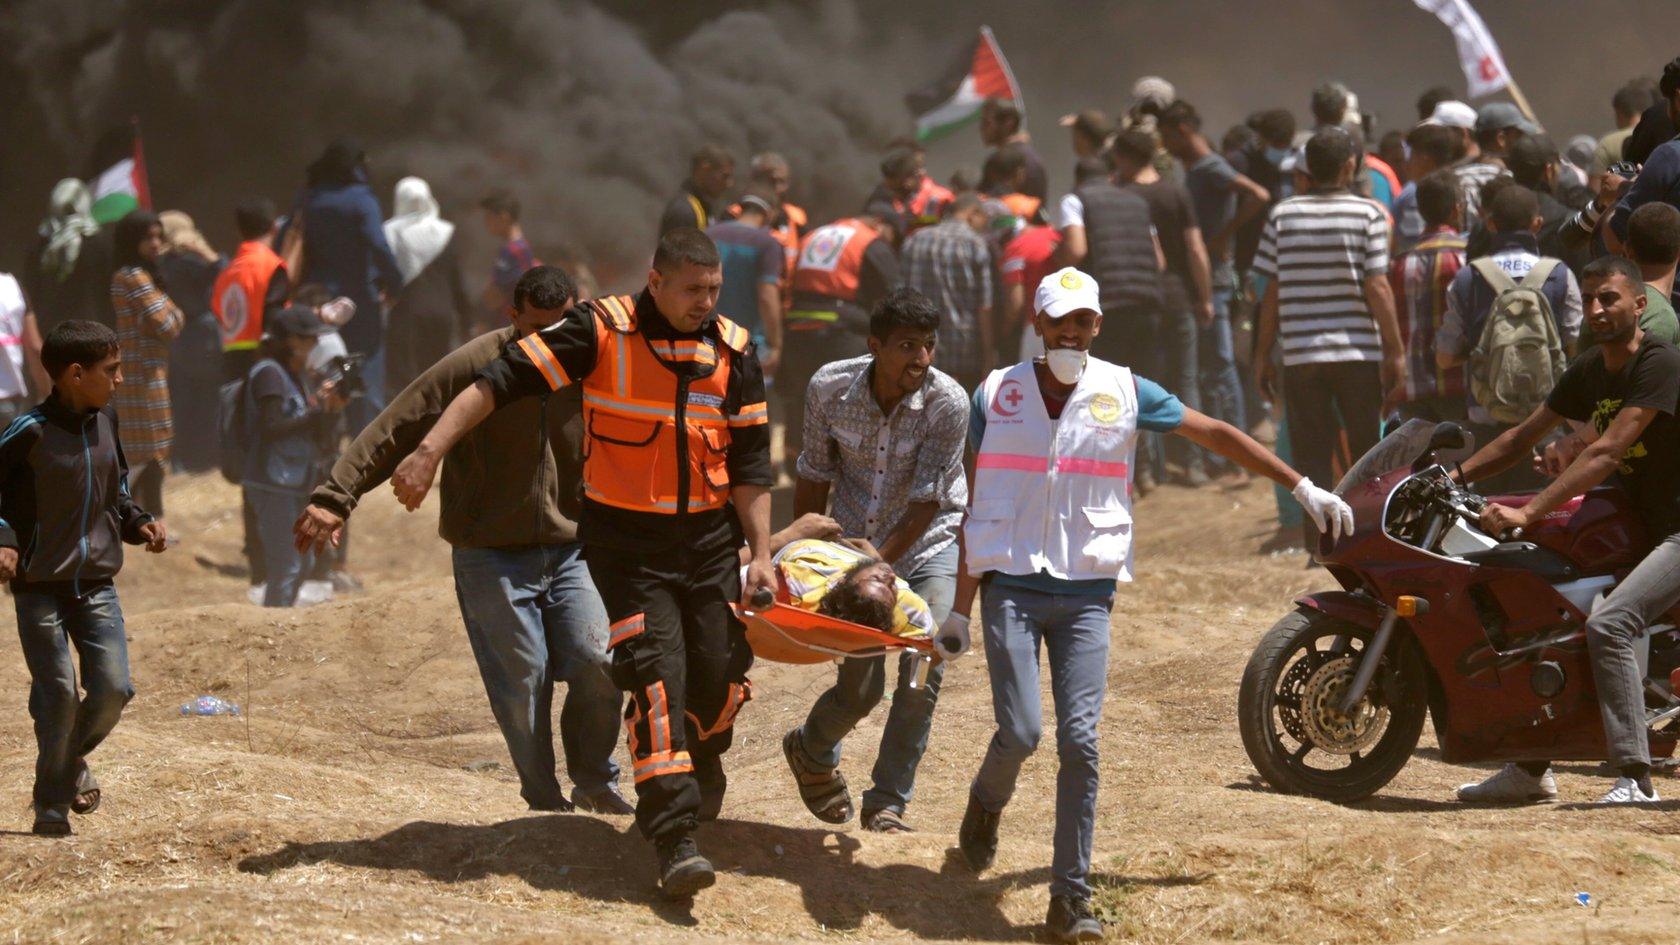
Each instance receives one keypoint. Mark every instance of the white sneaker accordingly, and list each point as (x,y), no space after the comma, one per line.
(255,593)
(314,592)
(1627,791)
(1512,785)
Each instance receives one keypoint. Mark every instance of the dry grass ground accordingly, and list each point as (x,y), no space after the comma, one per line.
(356,801)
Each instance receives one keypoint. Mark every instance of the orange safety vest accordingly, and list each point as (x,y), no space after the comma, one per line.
(645,449)
(831,259)
(924,208)
(793,222)
(237,298)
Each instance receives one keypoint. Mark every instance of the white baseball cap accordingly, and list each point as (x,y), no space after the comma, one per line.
(1066,290)
(1452,115)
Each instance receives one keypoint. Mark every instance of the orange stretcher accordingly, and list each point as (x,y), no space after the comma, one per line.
(783,633)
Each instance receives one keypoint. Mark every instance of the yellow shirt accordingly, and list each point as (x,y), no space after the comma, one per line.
(810,567)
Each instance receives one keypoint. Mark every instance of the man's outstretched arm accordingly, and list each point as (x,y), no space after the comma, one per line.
(413,476)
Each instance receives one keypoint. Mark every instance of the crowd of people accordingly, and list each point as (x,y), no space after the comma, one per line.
(972,381)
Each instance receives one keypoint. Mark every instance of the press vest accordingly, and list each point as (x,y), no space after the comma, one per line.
(1121,252)
(1055,495)
(237,298)
(831,260)
(655,441)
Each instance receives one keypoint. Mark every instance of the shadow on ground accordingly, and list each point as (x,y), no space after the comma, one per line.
(589,857)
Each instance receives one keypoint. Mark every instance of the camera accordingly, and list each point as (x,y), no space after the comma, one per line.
(344,371)
(1627,170)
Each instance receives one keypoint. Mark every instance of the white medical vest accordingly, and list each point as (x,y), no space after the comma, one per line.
(1055,495)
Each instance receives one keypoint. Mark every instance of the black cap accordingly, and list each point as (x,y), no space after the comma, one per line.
(297,321)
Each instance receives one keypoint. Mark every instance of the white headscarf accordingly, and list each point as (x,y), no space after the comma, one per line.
(69,221)
(416,233)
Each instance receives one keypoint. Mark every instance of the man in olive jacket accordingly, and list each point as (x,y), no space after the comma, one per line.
(510,501)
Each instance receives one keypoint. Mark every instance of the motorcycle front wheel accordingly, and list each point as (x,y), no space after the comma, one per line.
(1289,716)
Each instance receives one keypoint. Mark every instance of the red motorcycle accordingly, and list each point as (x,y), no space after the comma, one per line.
(1484,634)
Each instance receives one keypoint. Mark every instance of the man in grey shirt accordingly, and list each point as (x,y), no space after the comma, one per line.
(883,455)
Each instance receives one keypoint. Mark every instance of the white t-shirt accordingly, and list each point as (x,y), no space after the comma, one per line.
(12,309)
(1072,212)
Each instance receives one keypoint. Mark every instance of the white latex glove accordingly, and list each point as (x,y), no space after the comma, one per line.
(951,640)
(1327,509)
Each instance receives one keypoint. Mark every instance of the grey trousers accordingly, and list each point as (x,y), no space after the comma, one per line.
(1616,646)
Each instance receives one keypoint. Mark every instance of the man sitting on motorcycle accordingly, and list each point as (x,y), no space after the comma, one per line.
(1628,394)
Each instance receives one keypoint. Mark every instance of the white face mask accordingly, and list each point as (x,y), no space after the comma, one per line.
(1067,364)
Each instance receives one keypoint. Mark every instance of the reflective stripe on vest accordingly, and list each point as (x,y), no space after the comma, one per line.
(237,298)
(1054,496)
(831,259)
(632,449)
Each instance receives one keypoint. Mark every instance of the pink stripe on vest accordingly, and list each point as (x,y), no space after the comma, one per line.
(1020,462)
(1091,467)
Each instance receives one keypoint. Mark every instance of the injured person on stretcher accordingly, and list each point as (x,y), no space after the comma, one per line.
(845,579)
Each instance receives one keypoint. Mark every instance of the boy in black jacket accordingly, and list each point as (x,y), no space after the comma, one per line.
(65,511)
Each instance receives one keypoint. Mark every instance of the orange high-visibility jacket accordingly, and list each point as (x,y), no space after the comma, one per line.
(831,259)
(237,298)
(650,439)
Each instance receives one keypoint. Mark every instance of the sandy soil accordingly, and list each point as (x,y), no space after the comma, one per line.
(366,797)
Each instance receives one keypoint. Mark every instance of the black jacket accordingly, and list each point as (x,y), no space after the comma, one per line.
(64,500)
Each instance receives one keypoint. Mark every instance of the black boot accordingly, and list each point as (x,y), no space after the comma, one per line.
(682,870)
(978,835)
(1070,920)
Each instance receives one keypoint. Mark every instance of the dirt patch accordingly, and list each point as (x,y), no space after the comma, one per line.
(366,795)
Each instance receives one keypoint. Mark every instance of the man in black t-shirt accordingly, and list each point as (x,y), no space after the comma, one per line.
(1626,394)
(1186,288)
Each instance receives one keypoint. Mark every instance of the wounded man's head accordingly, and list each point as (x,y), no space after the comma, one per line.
(866,595)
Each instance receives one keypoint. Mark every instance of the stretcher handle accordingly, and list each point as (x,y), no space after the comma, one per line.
(763,598)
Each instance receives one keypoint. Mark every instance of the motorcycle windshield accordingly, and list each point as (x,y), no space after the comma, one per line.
(1395,451)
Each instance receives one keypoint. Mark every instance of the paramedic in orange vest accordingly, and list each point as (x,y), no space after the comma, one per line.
(253,286)
(676,474)
(843,269)
(1049,531)
(906,185)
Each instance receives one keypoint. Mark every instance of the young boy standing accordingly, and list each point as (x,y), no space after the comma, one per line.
(65,511)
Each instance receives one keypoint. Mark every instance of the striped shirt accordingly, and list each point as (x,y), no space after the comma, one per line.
(1320,248)
(1471,178)
(1420,279)
(147,321)
(952,265)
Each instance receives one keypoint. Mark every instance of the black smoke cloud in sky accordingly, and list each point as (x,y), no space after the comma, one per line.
(565,103)
(589,110)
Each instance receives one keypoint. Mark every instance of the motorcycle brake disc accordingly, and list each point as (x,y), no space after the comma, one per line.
(1290,698)
(1326,727)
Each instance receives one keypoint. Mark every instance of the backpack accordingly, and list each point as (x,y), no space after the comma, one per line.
(1520,355)
(231,440)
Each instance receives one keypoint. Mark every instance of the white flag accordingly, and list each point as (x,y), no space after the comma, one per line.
(1484,68)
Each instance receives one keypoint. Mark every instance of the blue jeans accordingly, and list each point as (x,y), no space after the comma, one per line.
(68,727)
(533,618)
(275,511)
(858,688)
(1222,386)
(1074,631)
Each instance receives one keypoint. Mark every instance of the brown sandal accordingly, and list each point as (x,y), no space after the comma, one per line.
(825,793)
(87,792)
(885,820)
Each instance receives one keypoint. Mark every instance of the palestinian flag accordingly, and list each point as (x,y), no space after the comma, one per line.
(118,180)
(954,99)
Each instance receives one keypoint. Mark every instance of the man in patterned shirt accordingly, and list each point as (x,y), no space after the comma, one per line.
(882,454)
(1420,278)
(951,264)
